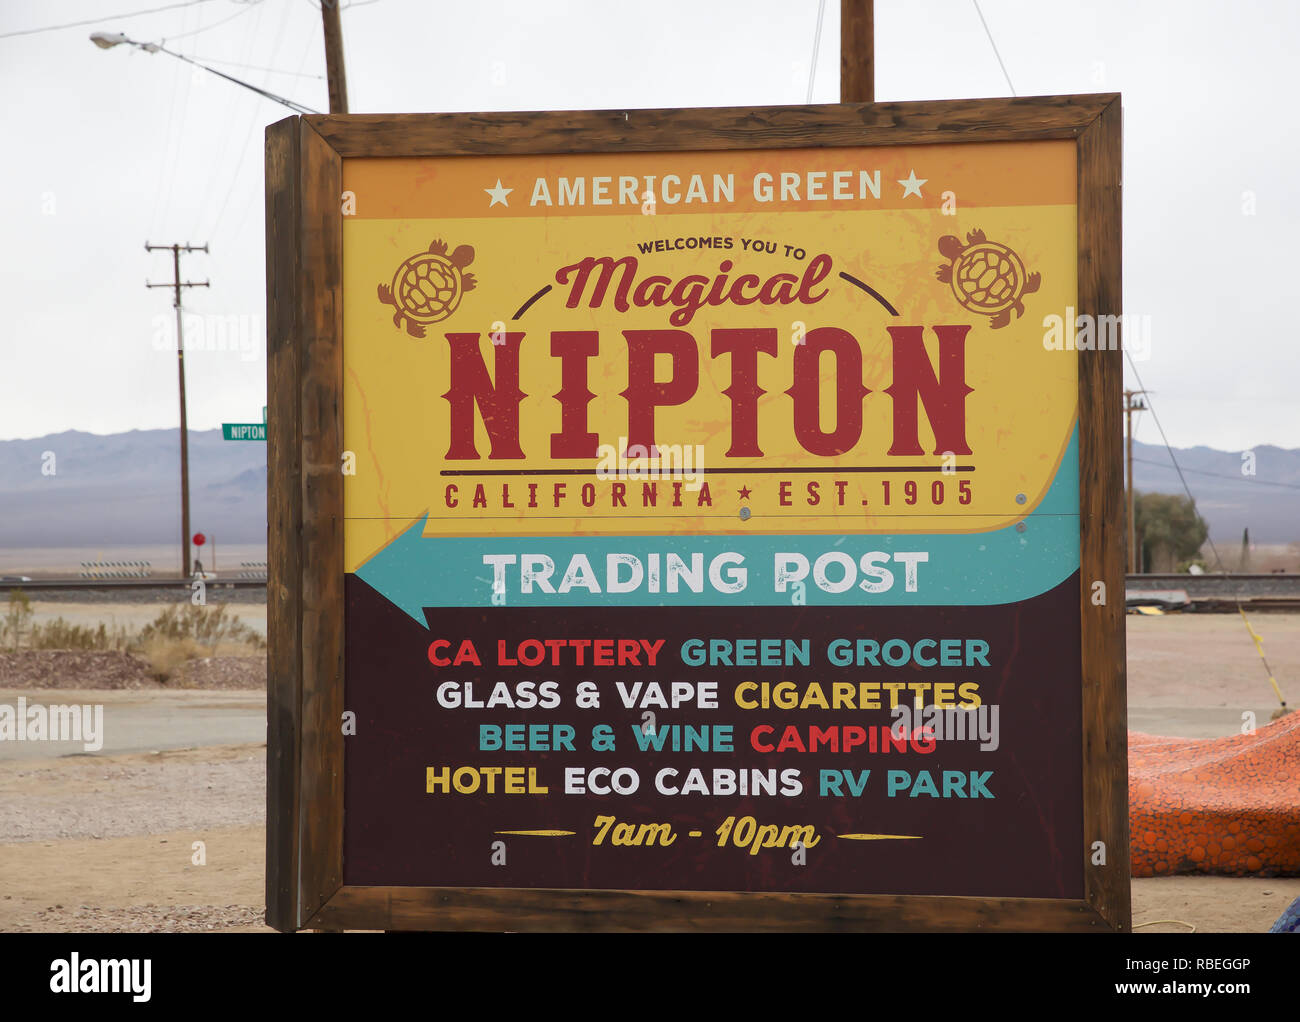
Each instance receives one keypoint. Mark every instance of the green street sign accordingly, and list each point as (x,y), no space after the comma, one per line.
(243,430)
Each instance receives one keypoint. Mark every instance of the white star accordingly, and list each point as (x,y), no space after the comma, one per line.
(911,186)
(498,194)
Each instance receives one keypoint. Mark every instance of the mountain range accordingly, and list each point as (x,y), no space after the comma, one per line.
(76,488)
(82,489)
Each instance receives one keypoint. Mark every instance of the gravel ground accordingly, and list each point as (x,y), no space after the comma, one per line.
(1210,660)
(108,844)
(114,796)
(223,672)
(58,668)
(145,919)
(64,669)
(139,883)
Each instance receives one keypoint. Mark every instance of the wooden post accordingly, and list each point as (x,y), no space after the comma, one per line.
(304,611)
(185,427)
(1132,403)
(338,79)
(857,52)
(177,284)
(1132,499)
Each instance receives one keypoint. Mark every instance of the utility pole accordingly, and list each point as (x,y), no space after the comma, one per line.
(338,79)
(176,285)
(1132,403)
(857,52)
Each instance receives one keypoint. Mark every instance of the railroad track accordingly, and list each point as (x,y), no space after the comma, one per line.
(1207,592)
(72,584)
(1221,586)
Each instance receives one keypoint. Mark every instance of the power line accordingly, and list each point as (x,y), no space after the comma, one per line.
(203,28)
(101,18)
(1165,440)
(232,111)
(172,158)
(257,67)
(297,108)
(817,42)
(254,197)
(1251,481)
(994,45)
(177,149)
(1213,549)
(252,120)
(167,155)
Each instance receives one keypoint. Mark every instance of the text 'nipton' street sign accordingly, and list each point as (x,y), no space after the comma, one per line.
(243,430)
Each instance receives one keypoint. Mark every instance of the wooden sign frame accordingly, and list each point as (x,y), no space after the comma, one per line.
(305,746)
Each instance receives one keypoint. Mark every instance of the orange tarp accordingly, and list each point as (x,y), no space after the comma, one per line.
(1229,806)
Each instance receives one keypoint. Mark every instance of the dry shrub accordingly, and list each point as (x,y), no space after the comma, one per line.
(166,656)
(17,619)
(209,626)
(60,634)
(181,632)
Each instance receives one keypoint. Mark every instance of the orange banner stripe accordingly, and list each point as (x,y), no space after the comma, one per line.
(808,180)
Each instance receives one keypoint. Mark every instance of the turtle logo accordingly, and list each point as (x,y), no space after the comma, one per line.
(428,286)
(986,277)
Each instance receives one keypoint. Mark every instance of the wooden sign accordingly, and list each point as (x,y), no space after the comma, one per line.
(697,519)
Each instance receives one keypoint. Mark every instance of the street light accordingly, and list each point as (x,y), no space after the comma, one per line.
(107,40)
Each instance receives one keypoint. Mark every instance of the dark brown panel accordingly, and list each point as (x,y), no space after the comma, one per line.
(1101,375)
(399,834)
(449,908)
(779,127)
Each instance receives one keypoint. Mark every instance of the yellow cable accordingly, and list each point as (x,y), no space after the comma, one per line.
(1259,646)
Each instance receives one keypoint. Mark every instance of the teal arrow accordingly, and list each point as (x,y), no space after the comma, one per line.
(405,571)
(964,569)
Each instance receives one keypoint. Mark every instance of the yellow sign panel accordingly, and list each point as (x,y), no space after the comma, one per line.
(803,341)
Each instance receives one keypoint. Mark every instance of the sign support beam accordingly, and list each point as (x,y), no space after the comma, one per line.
(857,51)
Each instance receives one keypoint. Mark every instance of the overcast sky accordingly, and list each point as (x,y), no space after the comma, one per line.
(104,150)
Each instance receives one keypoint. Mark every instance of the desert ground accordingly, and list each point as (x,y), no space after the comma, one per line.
(163,828)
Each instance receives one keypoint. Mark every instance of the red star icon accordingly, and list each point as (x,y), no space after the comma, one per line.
(744,493)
